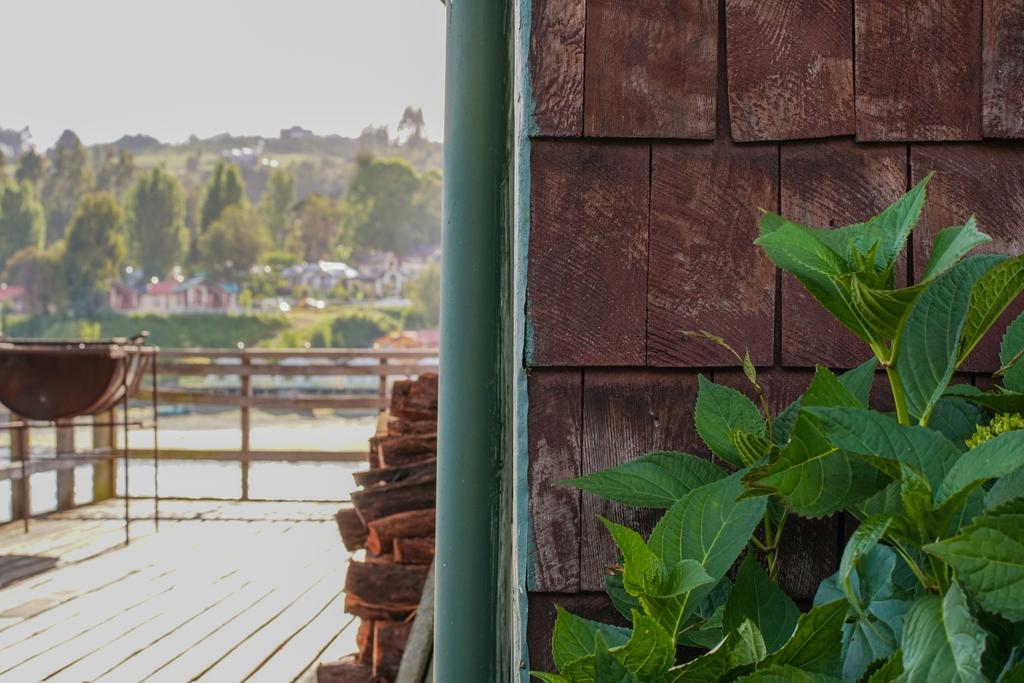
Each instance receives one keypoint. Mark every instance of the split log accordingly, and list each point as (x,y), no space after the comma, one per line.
(346,670)
(371,612)
(400,425)
(415,399)
(364,640)
(387,585)
(418,472)
(353,531)
(414,550)
(389,640)
(381,500)
(382,532)
(403,450)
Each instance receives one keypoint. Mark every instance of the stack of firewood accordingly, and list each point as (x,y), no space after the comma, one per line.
(392,518)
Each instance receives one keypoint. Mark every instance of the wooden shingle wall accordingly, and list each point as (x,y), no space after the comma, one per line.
(662,126)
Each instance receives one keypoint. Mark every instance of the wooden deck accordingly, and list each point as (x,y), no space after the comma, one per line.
(226,591)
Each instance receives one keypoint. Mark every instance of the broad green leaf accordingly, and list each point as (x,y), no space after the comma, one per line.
(889,229)
(956,418)
(642,569)
(926,354)
(860,380)
(888,671)
(868,432)
(620,597)
(782,426)
(800,251)
(866,537)
(740,649)
(1005,489)
(952,244)
(650,651)
(811,476)
(608,669)
(881,585)
(758,599)
(941,641)
(574,636)
(550,678)
(720,411)
(1011,350)
(704,628)
(998,400)
(992,294)
(786,674)
(993,459)
(988,558)
(710,526)
(656,480)
(882,311)
(816,645)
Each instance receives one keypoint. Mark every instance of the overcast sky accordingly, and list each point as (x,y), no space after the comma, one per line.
(105,68)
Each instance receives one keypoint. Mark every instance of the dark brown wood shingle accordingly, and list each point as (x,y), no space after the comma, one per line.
(555,405)
(626,414)
(705,272)
(918,70)
(650,68)
(557,37)
(790,69)
(986,180)
(831,183)
(588,253)
(1003,90)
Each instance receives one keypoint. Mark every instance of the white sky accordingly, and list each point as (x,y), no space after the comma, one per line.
(105,68)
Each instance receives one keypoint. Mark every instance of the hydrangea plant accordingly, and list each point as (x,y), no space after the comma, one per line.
(930,586)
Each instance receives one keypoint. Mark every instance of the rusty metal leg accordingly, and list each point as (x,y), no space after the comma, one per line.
(127,500)
(156,450)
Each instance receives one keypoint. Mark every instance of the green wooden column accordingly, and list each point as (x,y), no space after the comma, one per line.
(471,634)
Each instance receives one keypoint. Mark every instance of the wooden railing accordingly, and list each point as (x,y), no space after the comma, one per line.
(244,364)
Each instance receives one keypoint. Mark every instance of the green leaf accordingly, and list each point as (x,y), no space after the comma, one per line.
(882,311)
(860,380)
(926,354)
(952,244)
(642,569)
(1010,350)
(941,641)
(988,558)
(550,678)
(997,400)
(992,294)
(709,526)
(720,411)
(816,645)
(811,476)
(956,418)
(573,637)
(786,674)
(650,651)
(868,432)
(758,599)
(620,597)
(889,229)
(740,649)
(1006,488)
(866,537)
(704,627)
(881,586)
(889,671)
(656,480)
(990,460)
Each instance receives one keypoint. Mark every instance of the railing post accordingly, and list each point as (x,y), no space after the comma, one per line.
(246,394)
(65,476)
(382,389)
(21,495)
(104,482)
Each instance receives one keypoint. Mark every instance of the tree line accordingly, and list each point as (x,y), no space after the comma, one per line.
(70,225)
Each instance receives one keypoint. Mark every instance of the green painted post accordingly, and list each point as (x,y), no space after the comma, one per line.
(472,512)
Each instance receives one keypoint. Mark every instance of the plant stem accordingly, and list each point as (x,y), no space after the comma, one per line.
(898,397)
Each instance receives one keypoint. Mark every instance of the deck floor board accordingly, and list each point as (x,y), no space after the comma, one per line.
(226,591)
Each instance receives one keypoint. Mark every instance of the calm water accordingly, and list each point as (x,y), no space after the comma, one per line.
(267,480)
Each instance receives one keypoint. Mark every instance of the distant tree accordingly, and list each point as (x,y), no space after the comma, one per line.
(70,179)
(318,227)
(116,171)
(226,188)
(31,167)
(424,292)
(233,243)
(426,220)
(93,252)
(382,196)
(22,222)
(155,222)
(3,167)
(40,273)
(411,128)
(278,206)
